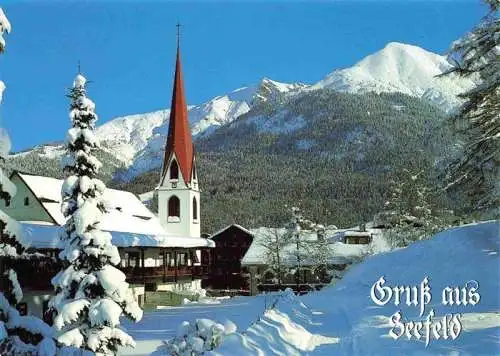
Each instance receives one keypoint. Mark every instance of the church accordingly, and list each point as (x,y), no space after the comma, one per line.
(158,253)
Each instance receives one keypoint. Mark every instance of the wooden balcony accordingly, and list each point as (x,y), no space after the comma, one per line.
(162,274)
(36,274)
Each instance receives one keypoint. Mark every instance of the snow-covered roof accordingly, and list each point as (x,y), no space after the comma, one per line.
(47,236)
(229,226)
(341,252)
(129,221)
(256,252)
(125,212)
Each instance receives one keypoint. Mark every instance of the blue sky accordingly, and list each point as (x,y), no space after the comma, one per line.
(127,49)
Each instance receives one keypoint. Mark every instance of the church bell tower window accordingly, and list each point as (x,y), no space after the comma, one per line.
(174,207)
(174,170)
(195,209)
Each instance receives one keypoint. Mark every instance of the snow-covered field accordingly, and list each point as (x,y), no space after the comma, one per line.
(344,319)
(162,324)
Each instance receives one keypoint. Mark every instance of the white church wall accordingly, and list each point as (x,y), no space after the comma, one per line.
(185,225)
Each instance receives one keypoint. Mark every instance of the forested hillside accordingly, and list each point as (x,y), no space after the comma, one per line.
(37,161)
(333,154)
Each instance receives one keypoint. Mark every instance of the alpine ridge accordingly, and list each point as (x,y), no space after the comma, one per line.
(137,141)
(400,68)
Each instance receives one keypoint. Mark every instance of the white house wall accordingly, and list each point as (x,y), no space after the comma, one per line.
(34,211)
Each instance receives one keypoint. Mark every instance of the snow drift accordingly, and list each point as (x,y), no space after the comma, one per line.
(344,320)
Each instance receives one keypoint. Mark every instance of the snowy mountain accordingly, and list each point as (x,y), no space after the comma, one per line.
(122,137)
(400,68)
(224,109)
(125,136)
(137,141)
(144,135)
(207,117)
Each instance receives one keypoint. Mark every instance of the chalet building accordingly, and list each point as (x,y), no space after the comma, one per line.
(158,253)
(357,237)
(231,245)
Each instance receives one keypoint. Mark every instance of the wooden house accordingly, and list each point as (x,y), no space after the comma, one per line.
(231,245)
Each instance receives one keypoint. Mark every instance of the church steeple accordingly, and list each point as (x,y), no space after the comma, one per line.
(179,140)
(178,192)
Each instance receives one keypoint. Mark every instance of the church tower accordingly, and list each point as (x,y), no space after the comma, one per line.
(178,191)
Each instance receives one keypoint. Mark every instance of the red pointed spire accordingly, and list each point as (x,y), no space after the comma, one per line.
(179,140)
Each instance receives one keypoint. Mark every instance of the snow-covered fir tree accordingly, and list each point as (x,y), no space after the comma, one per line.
(91,293)
(19,334)
(477,123)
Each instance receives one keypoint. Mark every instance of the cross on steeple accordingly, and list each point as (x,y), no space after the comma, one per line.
(178,33)
(79,71)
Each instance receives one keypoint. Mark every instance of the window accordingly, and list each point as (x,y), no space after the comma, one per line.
(195,209)
(181,259)
(26,201)
(174,170)
(172,260)
(194,256)
(168,261)
(124,261)
(133,259)
(159,260)
(194,172)
(7,202)
(174,206)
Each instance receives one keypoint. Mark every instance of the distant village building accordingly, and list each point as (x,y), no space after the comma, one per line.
(157,253)
(356,237)
(347,246)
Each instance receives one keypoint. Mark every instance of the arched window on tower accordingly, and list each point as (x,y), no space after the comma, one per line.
(174,170)
(195,209)
(174,207)
(194,172)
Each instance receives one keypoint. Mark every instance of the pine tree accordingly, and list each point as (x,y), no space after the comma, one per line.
(477,55)
(19,335)
(91,293)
